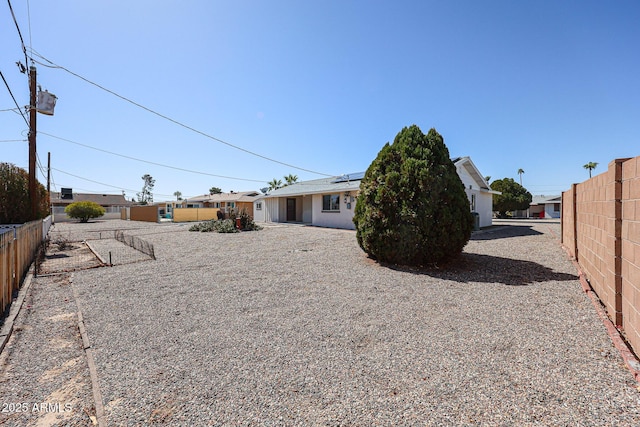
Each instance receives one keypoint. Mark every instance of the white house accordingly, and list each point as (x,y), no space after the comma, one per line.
(330,202)
(545,207)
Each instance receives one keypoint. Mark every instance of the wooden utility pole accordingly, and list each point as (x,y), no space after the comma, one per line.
(49,180)
(33,191)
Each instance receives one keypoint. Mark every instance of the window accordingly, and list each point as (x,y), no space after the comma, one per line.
(556,207)
(259,206)
(473,203)
(331,202)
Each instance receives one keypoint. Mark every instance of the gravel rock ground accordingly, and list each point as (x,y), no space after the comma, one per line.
(294,325)
(44,377)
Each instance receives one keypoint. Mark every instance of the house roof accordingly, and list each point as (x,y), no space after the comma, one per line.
(335,184)
(351,182)
(472,170)
(242,196)
(101,199)
(542,200)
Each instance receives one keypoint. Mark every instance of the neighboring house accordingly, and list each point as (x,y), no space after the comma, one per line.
(112,203)
(545,207)
(226,202)
(330,202)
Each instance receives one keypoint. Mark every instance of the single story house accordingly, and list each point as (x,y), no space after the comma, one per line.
(226,202)
(330,202)
(112,203)
(545,207)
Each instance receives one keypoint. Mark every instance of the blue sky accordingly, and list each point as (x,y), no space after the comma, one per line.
(543,86)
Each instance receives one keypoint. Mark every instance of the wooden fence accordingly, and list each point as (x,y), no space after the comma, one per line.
(18,248)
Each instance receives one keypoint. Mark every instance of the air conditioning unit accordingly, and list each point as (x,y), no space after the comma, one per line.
(66,193)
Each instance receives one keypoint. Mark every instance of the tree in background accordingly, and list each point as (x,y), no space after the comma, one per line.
(412,208)
(15,205)
(178,195)
(215,190)
(290,179)
(274,184)
(590,166)
(84,211)
(146,195)
(514,196)
(520,172)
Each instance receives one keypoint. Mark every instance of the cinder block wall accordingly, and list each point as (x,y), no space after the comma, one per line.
(601,229)
(630,260)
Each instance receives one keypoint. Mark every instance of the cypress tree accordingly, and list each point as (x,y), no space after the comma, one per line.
(412,208)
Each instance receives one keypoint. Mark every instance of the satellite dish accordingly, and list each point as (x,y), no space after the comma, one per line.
(264,190)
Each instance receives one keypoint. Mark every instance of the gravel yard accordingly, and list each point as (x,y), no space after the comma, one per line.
(294,325)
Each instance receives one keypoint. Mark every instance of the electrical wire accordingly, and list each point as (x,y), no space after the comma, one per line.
(15,21)
(54,65)
(149,162)
(29,22)
(106,185)
(14,99)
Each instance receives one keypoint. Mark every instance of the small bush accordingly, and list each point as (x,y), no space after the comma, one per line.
(84,211)
(246,222)
(228,225)
(219,226)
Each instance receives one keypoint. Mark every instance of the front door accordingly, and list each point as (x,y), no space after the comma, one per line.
(291,209)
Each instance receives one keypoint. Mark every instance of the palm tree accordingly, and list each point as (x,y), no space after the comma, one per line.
(178,195)
(291,179)
(590,166)
(274,184)
(520,172)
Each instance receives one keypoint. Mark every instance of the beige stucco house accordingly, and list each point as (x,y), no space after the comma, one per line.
(330,202)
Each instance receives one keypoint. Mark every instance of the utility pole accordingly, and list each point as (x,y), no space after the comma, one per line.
(49,179)
(33,193)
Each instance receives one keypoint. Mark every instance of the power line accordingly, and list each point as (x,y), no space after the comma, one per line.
(29,22)
(15,21)
(14,99)
(149,162)
(54,65)
(106,185)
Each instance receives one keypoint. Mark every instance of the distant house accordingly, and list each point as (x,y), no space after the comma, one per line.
(330,202)
(226,202)
(545,207)
(112,203)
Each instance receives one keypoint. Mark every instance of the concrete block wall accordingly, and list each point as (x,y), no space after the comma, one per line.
(630,249)
(601,229)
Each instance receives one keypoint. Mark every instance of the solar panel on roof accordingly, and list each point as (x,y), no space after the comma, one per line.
(349,177)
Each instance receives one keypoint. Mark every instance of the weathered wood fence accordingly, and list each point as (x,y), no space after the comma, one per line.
(18,248)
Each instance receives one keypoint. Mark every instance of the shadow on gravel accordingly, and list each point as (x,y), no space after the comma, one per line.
(504,231)
(491,269)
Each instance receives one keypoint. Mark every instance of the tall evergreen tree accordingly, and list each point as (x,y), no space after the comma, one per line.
(412,208)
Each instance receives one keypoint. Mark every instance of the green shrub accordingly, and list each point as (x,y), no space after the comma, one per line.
(412,208)
(15,204)
(84,211)
(246,222)
(219,226)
